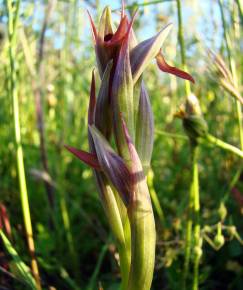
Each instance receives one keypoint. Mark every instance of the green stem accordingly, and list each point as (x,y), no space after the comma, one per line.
(155,198)
(93,279)
(182,45)
(240,8)
(187,244)
(13,15)
(145,3)
(213,140)
(240,118)
(192,205)
(125,260)
(196,218)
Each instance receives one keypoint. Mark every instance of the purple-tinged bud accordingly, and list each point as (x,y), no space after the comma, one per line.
(144,129)
(122,99)
(143,234)
(146,51)
(193,122)
(108,42)
(113,166)
(92,100)
(103,112)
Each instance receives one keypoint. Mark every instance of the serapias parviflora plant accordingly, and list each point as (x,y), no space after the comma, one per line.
(121,111)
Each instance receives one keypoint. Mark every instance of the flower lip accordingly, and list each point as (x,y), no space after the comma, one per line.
(108,37)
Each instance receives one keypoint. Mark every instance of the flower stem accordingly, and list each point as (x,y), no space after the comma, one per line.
(13,15)
(188,242)
(213,140)
(193,218)
(196,217)
(194,204)
(155,198)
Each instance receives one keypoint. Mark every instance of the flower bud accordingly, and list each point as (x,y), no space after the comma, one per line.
(219,241)
(193,121)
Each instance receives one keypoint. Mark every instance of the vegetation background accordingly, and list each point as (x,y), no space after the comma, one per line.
(54,60)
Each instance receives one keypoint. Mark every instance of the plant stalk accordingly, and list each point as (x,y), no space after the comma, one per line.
(196,217)
(13,15)
(182,45)
(228,46)
(228,147)
(193,204)
(38,90)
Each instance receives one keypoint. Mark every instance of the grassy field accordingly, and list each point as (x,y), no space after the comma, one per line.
(55,233)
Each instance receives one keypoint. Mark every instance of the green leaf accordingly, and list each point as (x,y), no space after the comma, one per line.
(23,272)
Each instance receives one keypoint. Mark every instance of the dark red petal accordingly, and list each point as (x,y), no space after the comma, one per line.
(92,100)
(120,33)
(123,31)
(171,69)
(88,158)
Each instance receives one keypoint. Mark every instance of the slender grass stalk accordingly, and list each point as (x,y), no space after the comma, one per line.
(238,105)
(13,15)
(39,107)
(193,234)
(228,46)
(193,204)
(62,195)
(67,224)
(182,45)
(23,273)
(155,198)
(196,217)
(145,3)
(217,142)
(240,8)
(188,239)
(95,274)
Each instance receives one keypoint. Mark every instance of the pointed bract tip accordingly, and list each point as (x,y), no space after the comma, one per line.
(88,158)
(166,30)
(123,9)
(92,99)
(93,28)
